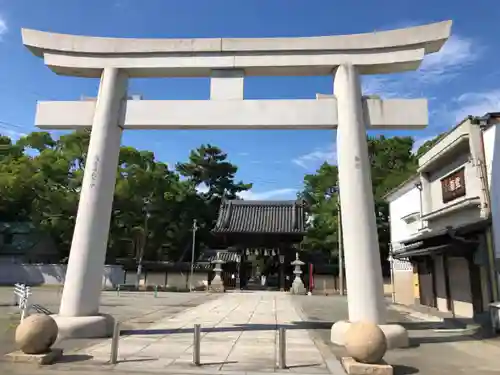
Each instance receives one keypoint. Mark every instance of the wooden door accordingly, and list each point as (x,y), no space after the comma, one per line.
(426,282)
(475,286)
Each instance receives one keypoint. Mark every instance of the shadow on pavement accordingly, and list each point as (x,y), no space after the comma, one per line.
(74,358)
(138,360)
(307,365)
(314,325)
(235,328)
(404,370)
(217,363)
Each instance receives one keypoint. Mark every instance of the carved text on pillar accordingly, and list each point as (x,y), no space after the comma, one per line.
(95,169)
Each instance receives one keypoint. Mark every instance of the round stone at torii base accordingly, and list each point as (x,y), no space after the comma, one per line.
(395,334)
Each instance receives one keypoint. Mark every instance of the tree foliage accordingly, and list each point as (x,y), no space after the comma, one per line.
(153,208)
(392,162)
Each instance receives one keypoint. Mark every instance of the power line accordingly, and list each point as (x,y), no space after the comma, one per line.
(11,124)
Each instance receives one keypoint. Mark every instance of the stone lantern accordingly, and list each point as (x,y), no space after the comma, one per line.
(297,285)
(217,284)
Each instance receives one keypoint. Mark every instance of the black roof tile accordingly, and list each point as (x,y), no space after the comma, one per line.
(278,217)
(209,255)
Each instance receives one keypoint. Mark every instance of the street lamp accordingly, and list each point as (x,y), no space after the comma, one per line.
(193,245)
(419,187)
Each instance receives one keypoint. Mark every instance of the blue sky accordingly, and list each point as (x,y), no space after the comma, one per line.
(460,80)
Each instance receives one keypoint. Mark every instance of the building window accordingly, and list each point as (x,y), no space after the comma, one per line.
(453,185)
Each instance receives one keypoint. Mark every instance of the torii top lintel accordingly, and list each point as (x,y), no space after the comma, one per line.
(373,53)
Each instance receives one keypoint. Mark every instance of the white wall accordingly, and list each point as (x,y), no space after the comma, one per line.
(51,274)
(406,202)
(403,205)
(492,154)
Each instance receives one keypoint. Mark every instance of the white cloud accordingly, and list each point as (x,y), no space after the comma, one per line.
(386,86)
(3,26)
(317,157)
(457,53)
(476,104)
(285,193)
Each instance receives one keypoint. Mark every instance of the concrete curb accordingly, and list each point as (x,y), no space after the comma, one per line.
(331,361)
(449,324)
(415,315)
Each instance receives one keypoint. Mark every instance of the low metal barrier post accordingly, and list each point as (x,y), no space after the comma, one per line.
(114,343)
(282,348)
(196,345)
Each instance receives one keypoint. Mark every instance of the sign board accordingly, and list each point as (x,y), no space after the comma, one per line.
(453,185)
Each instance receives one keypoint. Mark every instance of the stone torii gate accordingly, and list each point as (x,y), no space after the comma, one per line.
(227,61)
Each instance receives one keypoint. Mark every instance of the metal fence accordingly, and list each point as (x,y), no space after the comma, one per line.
(22,294)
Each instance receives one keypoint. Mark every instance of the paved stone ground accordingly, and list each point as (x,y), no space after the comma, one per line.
(437,349)
(135,310)
(239,335)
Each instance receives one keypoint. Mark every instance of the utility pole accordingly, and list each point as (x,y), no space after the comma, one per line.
(391,262)
(336,190)
(141,244)
(193,245)
(341,249)
(341,245)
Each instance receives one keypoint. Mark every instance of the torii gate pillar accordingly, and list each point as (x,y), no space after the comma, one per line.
(365,292)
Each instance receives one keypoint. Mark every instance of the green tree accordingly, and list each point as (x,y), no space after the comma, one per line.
(148,197)
(392,162)
(322,233)
(153,208)
(209,168)
(429,144)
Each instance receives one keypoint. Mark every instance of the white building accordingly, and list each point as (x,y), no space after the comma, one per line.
(445,228)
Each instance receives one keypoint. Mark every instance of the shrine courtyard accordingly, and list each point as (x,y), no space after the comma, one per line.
(239,336)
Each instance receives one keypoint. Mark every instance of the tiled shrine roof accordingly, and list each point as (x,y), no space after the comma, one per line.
(227,256)
(277,217)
